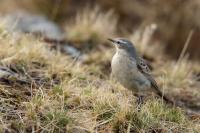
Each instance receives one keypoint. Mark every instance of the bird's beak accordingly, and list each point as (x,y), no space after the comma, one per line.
(113,41)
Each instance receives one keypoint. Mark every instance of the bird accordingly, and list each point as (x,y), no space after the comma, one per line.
(131,70)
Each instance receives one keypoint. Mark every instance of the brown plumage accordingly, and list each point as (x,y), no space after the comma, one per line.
(144,68)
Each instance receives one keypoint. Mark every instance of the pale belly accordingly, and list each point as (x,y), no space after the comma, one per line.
(125,71)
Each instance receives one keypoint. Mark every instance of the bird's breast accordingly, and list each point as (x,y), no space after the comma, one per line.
(124,70)
(122,64)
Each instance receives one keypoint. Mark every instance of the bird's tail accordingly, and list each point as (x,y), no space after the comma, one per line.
(158,91)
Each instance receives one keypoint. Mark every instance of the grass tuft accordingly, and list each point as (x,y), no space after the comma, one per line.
(142,40)
(91,25)
(47,91)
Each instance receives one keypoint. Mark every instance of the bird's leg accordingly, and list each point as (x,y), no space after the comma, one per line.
(140,100)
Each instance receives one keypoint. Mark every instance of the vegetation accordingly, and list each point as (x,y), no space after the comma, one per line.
(47,91)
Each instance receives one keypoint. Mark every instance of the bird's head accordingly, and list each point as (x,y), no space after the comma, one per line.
(124,45)
(121,43)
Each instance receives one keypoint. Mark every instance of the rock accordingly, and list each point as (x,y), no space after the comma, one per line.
(37,24)
(71,51)
(67,49)
(22,22)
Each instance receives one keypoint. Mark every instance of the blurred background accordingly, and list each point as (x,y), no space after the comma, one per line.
(173,20)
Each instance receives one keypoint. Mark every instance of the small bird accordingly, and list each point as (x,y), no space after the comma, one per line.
(132,71)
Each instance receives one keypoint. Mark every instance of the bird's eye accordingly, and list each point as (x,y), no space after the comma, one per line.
(118,42)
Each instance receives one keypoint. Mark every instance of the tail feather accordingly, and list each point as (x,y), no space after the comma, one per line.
(158,91)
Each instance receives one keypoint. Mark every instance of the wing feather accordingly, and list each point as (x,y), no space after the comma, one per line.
(144,68)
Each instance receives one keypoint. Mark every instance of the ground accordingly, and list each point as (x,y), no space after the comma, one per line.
(45,90)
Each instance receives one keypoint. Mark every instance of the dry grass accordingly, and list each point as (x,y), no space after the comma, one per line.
(173,26)
(73,97)
(142,39)
(91,25)
(51,92)
(178,74)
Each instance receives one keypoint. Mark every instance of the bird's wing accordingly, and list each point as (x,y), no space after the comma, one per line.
(142,66)
(145,70)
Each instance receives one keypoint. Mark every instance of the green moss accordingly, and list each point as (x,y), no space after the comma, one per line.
(60,118)
(104,111)
(87,91)
(57,90)
(175,115)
